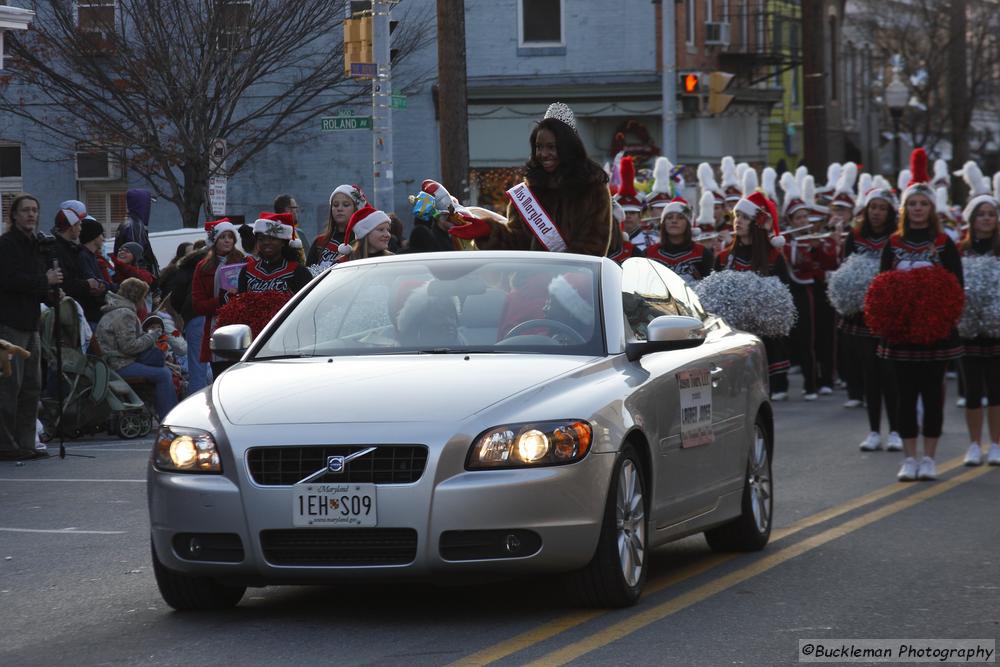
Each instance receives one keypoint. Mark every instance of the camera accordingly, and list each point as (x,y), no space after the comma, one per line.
(46,242)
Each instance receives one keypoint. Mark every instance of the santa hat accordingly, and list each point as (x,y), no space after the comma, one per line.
(843,193)
(769,177)
(881,190)
(707,183)
(969,212)
(919,182)
(627,196)
(443,200)
(748,180)
(661,191)
(71,212)
(677,205)
(942,179)
(276,225)
(575,293)
(215,227)
(352,191)
(363,221)
(793,197)
(757,203)
(706,208)
(832,176)
(730,182)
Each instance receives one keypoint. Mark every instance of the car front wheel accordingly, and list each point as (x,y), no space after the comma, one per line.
(187,593)
(615,575)
(751,530)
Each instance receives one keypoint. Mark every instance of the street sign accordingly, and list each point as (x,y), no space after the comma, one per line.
(397,102)
(217,194)
(369,70)
(337,123)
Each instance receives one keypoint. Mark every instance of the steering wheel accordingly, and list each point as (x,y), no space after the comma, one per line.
(577,339)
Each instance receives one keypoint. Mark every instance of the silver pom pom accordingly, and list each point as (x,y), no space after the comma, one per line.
(562,112)
(981,314)
(848,284)
(747,301)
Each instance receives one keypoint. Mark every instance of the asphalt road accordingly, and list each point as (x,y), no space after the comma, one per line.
(854,555)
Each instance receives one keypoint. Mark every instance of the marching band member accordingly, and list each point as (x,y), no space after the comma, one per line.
(563,204)
(868,238)
(730,183)
(687,258)
(919,368)
(756,246)
(707,183)
(981,359)
(620,249)
(640,233)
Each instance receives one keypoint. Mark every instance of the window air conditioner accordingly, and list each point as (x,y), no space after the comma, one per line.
(98,166)
(716,34)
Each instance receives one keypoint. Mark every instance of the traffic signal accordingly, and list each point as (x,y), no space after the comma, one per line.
(690,83)
(357,42)
(718,99)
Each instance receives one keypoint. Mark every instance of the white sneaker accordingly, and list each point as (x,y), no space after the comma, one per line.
(927,469)
(825,391)
(951,375)
(908,471)
(960,403)
(779,396)
(894,443)
(810,397)
(993,457)
(872,443)
(852,403)
(974,457)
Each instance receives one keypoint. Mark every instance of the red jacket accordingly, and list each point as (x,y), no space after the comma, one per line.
(123,271)
(205,302)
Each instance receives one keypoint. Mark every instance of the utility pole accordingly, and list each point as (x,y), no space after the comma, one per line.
(958,93)
(453,114)
(382,176)
(669,83)
(814,84)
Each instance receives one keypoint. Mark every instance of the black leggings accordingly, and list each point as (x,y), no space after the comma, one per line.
(982,378)
(923,379)
(878,381)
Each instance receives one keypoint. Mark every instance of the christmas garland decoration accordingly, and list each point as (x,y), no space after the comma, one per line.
(847,285)
(747,301)
(918,307)
(981,315)
(255,309)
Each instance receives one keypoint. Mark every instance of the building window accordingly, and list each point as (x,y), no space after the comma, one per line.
(107,207)
(689,31)
(10,161)
(541,22)
(95,15)
(235,20)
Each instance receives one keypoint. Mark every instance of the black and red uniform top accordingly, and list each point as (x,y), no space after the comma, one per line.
(280,275)
(740,260)
(691,261)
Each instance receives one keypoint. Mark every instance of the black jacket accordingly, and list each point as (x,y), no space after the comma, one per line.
(178,284)
(23,285)
(74,280)
(429,238)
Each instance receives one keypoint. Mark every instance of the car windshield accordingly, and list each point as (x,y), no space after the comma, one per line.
(445,305)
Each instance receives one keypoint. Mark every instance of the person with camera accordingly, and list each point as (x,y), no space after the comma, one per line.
(25,282)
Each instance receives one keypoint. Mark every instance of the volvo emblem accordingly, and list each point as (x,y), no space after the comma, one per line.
(335,464)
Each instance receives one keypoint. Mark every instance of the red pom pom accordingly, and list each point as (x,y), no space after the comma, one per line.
(921,306)
(255,309)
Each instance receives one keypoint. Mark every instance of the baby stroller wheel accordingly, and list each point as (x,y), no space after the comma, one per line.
(134,425)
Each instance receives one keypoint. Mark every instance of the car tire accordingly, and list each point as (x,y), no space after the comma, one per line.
(187,593)
(615,575)
(751,530)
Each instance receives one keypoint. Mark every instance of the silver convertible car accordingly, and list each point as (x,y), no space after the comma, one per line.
(497,413)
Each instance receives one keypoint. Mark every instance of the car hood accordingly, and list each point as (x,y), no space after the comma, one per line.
(411,388)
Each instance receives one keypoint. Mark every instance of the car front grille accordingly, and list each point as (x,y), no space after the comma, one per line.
(388,464)
(339,546)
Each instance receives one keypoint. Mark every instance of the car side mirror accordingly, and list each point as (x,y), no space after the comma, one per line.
(668,332)
(231,341)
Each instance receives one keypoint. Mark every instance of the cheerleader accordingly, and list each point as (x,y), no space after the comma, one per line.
(868,238)
(370,229)
(981,360)
(344,201)
(677,250)
(278,266)
(756,247)
(919,369)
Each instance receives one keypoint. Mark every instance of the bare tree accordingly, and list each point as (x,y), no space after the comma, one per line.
(922,33)
(161,80)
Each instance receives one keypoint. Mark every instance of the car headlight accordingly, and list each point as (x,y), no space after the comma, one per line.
(186,450)
(530,444)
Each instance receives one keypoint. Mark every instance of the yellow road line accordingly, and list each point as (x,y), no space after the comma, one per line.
(661,611)
(559,625)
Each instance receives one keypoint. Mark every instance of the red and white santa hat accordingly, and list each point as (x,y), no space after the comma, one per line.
(677,205)
(213,228)
(363,221)
(352,191)
(275,225)
(627,196)
(757,203)
(575,293)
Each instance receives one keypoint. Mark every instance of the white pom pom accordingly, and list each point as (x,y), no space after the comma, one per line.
(778,241)
(344,249)
(295,243)
(747,301)
(848,285)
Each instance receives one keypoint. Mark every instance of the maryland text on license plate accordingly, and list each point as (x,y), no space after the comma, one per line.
(332,505)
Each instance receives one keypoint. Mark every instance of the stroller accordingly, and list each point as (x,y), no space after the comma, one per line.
(95,398)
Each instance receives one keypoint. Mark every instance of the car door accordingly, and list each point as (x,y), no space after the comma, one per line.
(678,394)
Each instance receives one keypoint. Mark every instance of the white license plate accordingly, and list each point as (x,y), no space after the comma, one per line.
(334,505)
